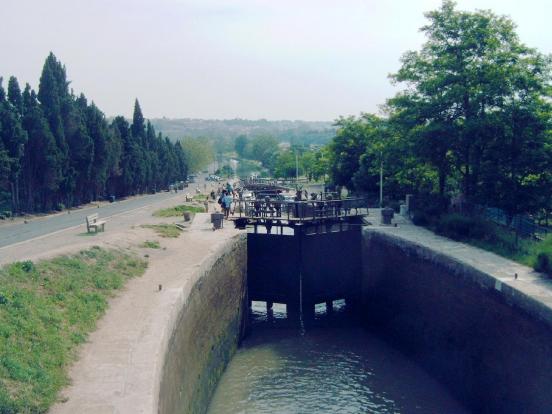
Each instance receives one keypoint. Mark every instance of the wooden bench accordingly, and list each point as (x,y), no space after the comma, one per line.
(93,222)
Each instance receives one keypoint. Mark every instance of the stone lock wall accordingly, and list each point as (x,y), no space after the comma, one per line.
(492,347)
(206,332)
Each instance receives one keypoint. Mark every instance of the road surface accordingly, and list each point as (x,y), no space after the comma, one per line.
(15,233)
(19,232)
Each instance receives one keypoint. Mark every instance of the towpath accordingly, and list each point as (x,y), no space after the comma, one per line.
(118,368)
(516,281)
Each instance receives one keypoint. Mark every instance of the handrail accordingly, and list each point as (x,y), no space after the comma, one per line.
(305,210)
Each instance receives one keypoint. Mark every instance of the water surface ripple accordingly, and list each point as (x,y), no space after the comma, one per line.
(334,367)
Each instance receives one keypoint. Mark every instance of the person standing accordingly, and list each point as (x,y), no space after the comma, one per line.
(227,204)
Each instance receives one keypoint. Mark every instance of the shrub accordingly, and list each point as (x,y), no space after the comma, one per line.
(428,208)
(543,263)
(420,218)
(27,266)
(432,204)
(461,227)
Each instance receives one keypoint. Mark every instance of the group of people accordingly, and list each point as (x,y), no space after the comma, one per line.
(226,197)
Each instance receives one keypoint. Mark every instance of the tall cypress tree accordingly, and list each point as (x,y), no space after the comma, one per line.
(14,95)
(99,132)
(128,158)
(72,155)
(41,162)
(139,155)
(53,95)
(13,138)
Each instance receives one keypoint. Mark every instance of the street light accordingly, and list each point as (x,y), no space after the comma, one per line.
(296,167)
(381,179)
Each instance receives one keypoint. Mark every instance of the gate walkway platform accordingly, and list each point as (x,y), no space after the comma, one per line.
(292,213)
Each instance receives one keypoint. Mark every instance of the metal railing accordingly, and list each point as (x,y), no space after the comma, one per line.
(301,210)
(524,225)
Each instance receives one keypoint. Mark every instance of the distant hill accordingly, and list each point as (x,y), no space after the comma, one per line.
(297,132)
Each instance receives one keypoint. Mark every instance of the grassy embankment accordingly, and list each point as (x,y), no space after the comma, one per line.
(178,211)
(495,238)
(171,230)
(200,198)
(46,310)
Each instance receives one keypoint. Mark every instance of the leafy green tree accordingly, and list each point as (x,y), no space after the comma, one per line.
(263,148)
(477,106)
(240,145)
(349,145)
(198,153)
(285,166)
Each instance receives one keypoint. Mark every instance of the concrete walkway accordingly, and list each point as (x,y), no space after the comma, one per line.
(529,289)
(118,368)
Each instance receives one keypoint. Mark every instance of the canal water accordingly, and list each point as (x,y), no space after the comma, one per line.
(334,366)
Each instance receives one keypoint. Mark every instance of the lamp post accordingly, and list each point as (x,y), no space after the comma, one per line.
(296,168)
(381,180)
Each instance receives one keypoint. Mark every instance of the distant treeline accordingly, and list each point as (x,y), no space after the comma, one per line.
(293,132)
(57,150)
(283,161)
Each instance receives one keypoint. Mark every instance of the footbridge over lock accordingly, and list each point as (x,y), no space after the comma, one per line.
(302,253)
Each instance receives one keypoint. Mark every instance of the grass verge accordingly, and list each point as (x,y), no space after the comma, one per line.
(177,211)
(46,310)
(495,238)
(151,244)
(164,230)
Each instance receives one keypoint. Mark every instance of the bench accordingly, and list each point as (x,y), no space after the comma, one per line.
(93,222)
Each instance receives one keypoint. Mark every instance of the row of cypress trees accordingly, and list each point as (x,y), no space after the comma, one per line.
(57,150)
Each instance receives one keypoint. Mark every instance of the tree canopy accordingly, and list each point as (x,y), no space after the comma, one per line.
(57,149)
(474,118)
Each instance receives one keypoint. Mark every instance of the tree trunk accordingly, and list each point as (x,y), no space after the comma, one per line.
(442,181)
(13,203)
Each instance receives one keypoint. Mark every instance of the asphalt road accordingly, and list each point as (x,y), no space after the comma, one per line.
(15,233)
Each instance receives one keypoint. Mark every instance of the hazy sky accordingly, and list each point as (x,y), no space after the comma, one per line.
(280,59)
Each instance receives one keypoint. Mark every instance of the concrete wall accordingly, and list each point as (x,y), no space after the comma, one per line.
(205,332)
(490,344)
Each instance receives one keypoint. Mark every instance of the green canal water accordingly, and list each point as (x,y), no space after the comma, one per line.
(335,366)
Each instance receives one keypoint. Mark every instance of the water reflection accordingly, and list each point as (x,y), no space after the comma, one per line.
(334,366)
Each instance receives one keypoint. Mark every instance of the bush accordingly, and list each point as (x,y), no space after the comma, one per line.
(543,263)
(60,207)
(541,256)
(431,204)
(420,218)
(460,227)
(27,266)
(428,208)
(5,214)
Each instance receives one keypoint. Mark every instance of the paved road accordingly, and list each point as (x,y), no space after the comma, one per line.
(15,233)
